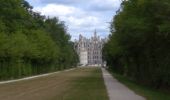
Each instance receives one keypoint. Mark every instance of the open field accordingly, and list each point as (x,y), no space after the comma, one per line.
(77,84)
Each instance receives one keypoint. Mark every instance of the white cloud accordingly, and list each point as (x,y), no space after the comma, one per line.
(77,19)
(81,16)
(55,10)
(85,21)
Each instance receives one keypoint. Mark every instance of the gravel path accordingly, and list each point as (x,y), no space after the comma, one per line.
(118,91)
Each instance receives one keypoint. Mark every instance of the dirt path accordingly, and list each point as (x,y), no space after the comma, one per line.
(116,90)
(66,85)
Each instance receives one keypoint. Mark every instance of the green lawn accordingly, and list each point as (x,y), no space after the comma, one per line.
(148,93)
(76,84)
(87,85)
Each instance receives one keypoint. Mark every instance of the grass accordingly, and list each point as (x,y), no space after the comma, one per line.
(147,92)
(87,85)
(77,84)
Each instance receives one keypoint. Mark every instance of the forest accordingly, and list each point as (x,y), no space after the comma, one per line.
(139,44)
(31,43)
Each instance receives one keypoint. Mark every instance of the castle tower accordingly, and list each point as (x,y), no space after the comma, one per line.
(95,33)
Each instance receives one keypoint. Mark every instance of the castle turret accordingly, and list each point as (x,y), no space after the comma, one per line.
(95,33)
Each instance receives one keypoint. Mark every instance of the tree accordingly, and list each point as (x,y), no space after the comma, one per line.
(140,36)
(30,43)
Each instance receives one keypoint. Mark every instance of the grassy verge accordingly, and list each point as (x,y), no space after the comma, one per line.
(148,93)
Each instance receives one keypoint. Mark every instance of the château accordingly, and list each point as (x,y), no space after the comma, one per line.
(90,50)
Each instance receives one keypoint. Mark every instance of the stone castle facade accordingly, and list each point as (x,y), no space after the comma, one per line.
(90,50)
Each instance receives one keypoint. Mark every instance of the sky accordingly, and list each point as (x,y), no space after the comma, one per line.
(80,16)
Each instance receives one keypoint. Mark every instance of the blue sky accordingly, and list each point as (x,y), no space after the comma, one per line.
(81,16)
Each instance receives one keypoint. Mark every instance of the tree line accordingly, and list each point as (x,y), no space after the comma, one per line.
(31,43)
(139,44)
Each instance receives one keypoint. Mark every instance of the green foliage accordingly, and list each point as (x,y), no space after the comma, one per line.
(30,43)
(139,45)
